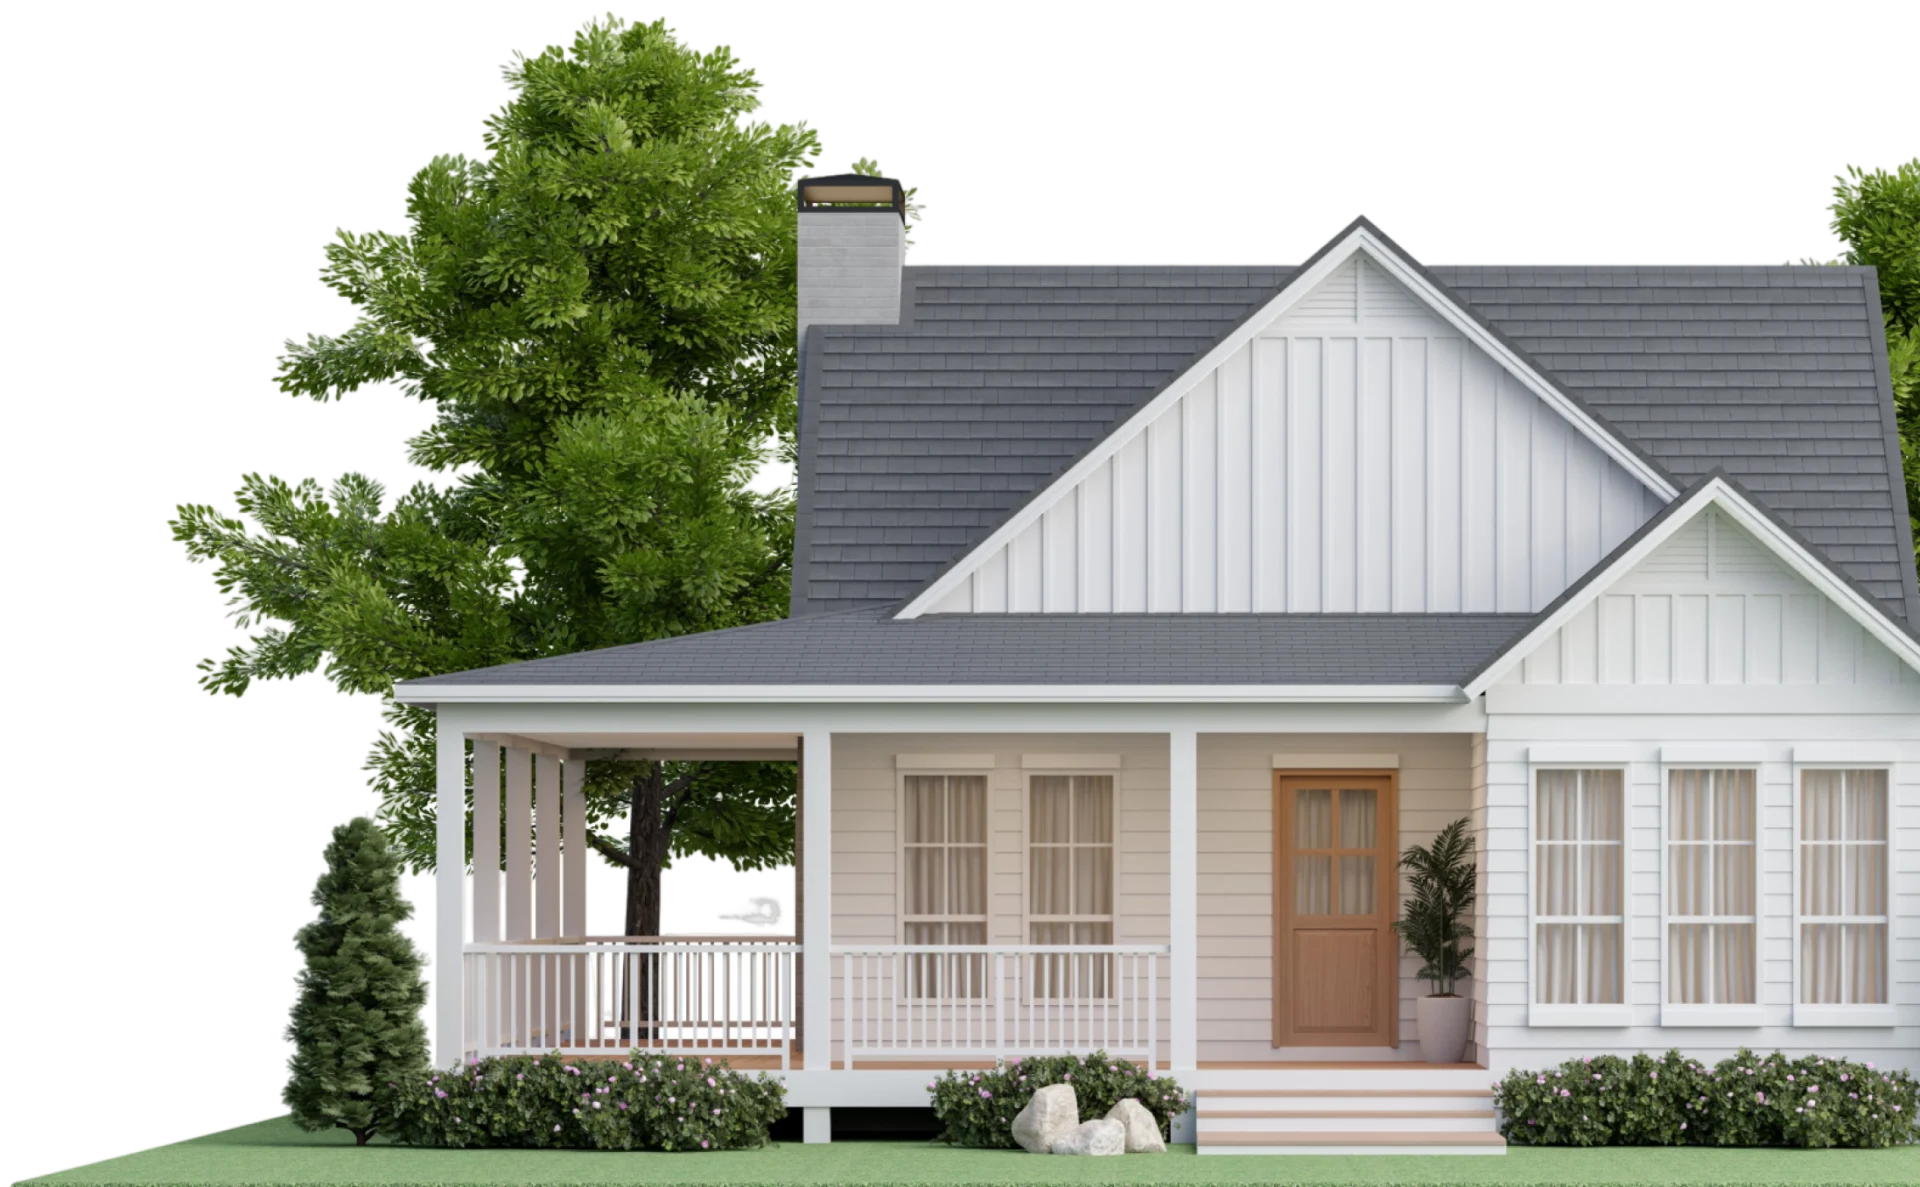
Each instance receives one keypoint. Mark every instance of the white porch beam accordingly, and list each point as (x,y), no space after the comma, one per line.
(1183,899)
(486,841)
(573,824)
(816,836)
(546,847)
(450,889)
(519,842)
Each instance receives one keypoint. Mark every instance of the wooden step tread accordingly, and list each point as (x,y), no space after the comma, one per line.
(1395,1138)
(1205,1093)
(1368,1113)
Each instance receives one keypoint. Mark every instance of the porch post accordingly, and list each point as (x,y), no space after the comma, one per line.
(486,842)
(519,768)
(816,837)
(1183,899)
(573,816)
(450,889)
(546,847)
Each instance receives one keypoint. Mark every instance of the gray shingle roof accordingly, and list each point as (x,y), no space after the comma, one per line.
(866,646)
(918,440)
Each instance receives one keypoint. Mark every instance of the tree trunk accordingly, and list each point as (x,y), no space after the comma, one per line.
(647,840)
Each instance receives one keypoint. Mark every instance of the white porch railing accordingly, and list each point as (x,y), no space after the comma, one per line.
(603,995)
(975,1001)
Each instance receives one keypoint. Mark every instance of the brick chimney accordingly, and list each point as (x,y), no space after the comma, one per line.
(852,245)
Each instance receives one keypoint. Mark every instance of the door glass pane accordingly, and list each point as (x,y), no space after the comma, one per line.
(1359,828)
(1312,884)
(1313,819)
(1358,890)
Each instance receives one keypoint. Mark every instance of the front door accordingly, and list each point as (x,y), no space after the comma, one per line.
(1335,896)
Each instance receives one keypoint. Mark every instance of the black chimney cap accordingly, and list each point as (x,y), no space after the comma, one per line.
(852,191)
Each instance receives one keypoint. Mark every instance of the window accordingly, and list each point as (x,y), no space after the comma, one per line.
(1070,880)
(1711,896)
(944,864)
(1843,888)
(1579,912)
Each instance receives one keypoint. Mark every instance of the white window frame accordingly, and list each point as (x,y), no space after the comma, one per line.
(1884,1014)
(1694,1014)
(1595,1014)
(956,769)
(1028,773)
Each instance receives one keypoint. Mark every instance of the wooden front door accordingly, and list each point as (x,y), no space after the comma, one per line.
(1335,895)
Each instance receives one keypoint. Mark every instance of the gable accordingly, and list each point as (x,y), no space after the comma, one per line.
(1355,451)
(1711,605)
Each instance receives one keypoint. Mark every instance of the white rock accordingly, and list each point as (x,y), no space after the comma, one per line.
(1052,1112)
(1143,1132)
(1093,1137)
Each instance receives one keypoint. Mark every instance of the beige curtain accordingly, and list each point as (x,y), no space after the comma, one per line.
(1711,840)
(1579,856)
(1843,887)
(1070,877)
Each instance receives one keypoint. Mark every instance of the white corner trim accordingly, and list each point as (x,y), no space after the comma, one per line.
(1845,754)
(1728,754)
(1552,1015)
(1358,241)
(943,762)
(1336,762)
(1580,752)
(1871,1016)
(1714,493)
(1070,762)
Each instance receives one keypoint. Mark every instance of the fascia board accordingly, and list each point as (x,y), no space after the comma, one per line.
(451,694)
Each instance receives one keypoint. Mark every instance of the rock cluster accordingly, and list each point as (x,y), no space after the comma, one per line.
(1050,1124)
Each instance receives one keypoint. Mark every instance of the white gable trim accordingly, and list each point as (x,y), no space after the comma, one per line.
(1715,492)
(1358,241)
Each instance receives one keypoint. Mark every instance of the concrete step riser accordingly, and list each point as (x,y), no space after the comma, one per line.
(1357,1149)
(1386,1079)
(1352,1124)
(1344,1104)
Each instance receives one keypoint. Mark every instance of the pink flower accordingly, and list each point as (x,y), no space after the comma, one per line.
(623,1106)
(716,1112)
(711,1083)
(556,1129)
(1539,1079)
(703,1143)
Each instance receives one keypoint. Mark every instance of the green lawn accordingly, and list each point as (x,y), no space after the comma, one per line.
(275,1154)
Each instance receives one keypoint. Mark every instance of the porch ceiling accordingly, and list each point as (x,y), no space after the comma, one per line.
(739,747)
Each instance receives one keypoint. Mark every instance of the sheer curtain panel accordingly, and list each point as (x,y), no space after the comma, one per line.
(944,875)
(1843,887)
(1711,894)
(1579,875)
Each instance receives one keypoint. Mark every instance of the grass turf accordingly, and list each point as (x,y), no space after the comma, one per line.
(275,1154)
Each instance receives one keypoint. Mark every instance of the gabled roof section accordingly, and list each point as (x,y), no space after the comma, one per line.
(1717,490)
(1359,239)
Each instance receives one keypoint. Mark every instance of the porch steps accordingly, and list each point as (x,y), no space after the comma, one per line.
(1390,1119)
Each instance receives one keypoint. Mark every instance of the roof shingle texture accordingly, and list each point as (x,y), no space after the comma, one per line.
(866,646)
(920,439)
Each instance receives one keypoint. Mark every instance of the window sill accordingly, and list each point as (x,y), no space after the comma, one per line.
(1610,1015)
(1697,1015)
(1811,1015)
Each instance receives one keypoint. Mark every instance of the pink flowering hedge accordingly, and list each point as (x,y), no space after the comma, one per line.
(550,1102)
(1670,1100)
(978,1107)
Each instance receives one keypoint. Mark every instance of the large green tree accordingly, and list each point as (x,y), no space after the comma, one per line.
(600,312)
(1877,214)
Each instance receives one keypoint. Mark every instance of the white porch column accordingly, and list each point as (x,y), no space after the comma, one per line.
(486,841)
(573,824)
(1183,899)
(450,890)
(519,842)
(546,847)
(816,833)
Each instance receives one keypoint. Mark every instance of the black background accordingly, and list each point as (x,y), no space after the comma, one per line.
(162,853)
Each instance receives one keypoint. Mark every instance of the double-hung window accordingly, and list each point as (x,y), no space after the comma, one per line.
(944,864)
(1070,880)
(1579,911)
(1843,898)
(1712,892)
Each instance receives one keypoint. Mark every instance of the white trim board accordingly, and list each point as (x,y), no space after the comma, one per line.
(1360,240)
(1714,492)
(1336,762)
(788,694)
(941,763)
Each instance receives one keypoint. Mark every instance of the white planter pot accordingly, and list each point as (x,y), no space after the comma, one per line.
(1443,1027)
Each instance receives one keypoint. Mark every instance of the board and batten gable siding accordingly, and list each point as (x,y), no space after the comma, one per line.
(1711,606)
(866,833)
(1503,991)
(1358,455)
(1236,870)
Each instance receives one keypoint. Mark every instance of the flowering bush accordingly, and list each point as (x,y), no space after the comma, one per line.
(978,1107)
(1670,1100)
(644,1103)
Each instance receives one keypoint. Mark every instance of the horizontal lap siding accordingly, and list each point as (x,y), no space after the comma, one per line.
(1236,868)
(1504,990)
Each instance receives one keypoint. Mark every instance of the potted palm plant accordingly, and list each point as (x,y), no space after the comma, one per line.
(1433,927)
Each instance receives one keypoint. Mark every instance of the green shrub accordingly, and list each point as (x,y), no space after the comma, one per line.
(978,1107)
(1747,1100)
(550,1102)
